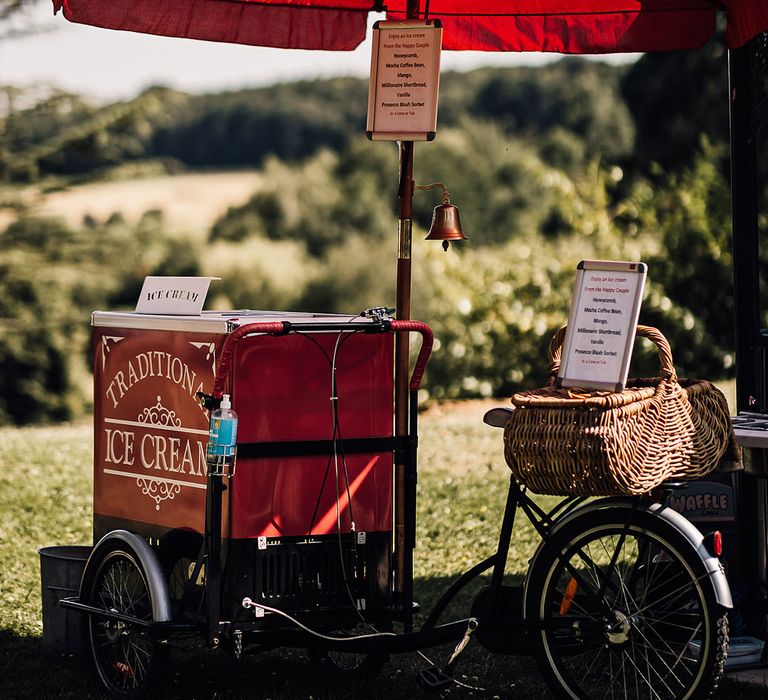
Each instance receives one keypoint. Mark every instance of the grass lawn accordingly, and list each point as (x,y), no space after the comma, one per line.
(45,499)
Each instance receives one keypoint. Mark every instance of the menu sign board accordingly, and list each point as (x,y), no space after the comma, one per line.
(601,325)
(405,77)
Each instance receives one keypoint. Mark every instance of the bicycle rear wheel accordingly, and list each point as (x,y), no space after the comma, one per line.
(626,610)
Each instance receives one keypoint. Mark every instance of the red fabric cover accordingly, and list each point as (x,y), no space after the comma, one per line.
(570,26)
(230,21)
(566,26)
(746,19)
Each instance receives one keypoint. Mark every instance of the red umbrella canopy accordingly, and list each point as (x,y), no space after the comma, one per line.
(565,26)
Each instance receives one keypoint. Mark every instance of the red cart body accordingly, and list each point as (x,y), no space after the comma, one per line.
(151,431)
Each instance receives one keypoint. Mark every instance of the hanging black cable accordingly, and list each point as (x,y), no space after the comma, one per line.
(337,422)
(336,436)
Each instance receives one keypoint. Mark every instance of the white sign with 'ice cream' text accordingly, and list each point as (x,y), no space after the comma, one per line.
(176,296)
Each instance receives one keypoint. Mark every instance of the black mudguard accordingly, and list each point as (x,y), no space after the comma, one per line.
(136,545)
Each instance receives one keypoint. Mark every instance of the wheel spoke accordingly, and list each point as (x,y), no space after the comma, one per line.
(677,592)
(660,658)
(647,678)
(591,666)
(614,553)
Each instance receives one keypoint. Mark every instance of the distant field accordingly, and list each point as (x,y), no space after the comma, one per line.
(189,201)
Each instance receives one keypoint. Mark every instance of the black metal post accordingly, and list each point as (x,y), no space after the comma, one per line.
(213,556)
(402,348)
(750,379)
(403,559)
(409,499)
(747,563)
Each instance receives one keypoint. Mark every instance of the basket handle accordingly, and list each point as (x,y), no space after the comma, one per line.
(653,334)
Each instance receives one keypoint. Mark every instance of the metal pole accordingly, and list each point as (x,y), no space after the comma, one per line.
(403,570)
(213,572)
(402,346)
(750,382)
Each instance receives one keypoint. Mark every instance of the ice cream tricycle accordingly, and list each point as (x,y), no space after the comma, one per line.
(292,544)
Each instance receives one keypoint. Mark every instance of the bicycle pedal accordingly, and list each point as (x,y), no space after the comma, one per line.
(434,678)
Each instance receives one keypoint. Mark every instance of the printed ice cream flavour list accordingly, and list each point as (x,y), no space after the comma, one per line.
(602,325)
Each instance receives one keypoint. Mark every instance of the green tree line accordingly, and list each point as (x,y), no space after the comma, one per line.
(575,105)
(549,165)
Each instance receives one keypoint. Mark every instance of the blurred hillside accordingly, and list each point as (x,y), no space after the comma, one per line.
(549,165)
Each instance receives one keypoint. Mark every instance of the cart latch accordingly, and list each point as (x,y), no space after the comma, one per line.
(378,314)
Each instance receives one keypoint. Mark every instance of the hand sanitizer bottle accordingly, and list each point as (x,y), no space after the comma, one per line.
(222,439)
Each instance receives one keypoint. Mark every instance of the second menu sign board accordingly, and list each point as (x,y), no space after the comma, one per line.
(601,325)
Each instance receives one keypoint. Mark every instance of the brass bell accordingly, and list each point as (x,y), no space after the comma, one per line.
(446,224)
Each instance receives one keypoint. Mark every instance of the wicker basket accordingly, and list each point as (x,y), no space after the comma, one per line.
(574,441)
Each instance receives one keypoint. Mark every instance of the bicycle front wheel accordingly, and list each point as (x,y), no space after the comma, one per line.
(625,610)
(129,661)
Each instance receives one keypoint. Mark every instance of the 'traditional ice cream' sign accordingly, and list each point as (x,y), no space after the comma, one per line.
(150,429)
(601,325)
(405,76)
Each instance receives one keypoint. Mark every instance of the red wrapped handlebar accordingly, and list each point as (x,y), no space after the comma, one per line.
(225,360)
(426,347)
(279,328)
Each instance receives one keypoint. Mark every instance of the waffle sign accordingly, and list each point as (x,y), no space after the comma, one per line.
(706,501)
